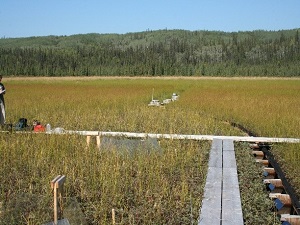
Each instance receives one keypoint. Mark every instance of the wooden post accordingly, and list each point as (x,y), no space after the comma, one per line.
(274,185)
(57,186)
(283,202)
(98,141)
(88,140)
(291,219)
(113,215)
(269,173)
(1,208)
(254,145)
(258,154)
(264,162)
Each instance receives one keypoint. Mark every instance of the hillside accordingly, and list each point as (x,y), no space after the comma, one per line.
(154,53)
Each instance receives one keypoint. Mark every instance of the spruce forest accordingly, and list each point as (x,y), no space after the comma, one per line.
(154,53)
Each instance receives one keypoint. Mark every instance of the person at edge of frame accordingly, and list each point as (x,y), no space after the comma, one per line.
(2,103)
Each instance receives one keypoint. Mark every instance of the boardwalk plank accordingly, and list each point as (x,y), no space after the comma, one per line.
(228,145)
(215,156)
(211,202)
(229,159)
(221,203)
(231,201)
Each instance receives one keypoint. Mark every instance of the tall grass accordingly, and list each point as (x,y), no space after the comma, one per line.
(110,105)
(157,187)
(288,155)
(255,201)
(162,186)
(266,107)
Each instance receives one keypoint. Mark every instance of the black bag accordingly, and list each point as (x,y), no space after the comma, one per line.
(22,124)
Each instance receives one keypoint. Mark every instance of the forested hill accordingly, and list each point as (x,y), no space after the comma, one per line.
(154,53)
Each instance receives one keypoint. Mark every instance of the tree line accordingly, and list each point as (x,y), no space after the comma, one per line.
(154,53)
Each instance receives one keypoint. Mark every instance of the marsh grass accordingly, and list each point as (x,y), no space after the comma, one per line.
(110,105)
(156,187)
(143,187)
(266,107)
(257,207)
(288,155)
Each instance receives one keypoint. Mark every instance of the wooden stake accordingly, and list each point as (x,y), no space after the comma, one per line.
(57,185)
(113,215)
(55,206)
(98,141)
(88,140)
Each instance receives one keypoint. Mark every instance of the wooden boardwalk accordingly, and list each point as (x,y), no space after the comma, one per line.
(182,136)
(221,204)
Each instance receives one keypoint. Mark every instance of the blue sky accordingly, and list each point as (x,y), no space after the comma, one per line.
(25,18)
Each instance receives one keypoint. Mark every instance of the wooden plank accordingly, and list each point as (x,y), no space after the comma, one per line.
(258,154)
(184,136)
(217,144)
(221,203)
(174,136)
(232,212)
(269,173)
(211,202)
(229,159)
(228,145)
(230,178)
(274,185)
(231,201)
(215,156)
(291,219)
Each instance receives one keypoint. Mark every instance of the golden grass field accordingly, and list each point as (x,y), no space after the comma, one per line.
(159,187)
